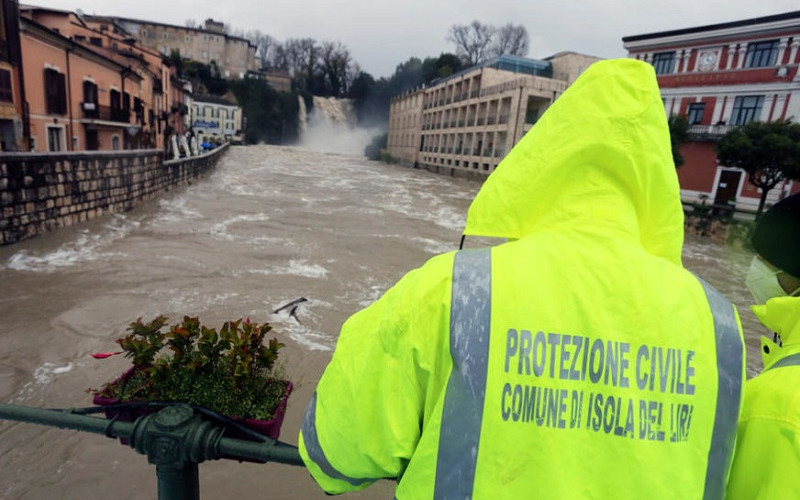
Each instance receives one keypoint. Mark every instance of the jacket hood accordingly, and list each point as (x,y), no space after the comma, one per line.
(599,157)
(781,315)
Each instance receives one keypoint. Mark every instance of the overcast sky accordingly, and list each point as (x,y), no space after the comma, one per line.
(380,34)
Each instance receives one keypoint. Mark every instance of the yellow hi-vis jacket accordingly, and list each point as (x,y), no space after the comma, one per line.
(766,464)
(579,360)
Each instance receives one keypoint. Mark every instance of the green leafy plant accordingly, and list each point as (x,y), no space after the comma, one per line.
(231,371)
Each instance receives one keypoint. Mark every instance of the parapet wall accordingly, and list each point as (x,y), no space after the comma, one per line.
(44,191)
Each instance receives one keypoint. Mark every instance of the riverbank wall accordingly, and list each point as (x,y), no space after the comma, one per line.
(40,192)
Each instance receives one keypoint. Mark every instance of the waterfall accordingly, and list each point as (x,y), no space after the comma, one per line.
(331,127)
(302,116)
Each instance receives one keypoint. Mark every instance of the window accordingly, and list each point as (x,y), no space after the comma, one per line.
(90,108)
(96,41)
(761,54)
(115,102)
(79,38)
(138,109)
(664,63)
(55,92)
(55,139)
(144,33)
(126,107)
(164,36)
(746,109)
(6,94)
(115,143)
(695,114)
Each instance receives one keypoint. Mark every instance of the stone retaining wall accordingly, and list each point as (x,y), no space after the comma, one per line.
(44,191)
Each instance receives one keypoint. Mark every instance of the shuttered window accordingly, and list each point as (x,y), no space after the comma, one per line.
(55,90)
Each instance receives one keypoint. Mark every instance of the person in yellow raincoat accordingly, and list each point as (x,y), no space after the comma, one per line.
(579,360)
(767,458)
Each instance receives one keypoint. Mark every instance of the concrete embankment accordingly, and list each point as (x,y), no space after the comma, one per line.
(43,191)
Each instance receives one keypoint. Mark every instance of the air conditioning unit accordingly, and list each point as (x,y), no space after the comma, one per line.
(782,71)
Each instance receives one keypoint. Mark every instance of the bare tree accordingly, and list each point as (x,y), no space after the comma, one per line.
(510,39)
(472,41)
(191,23)
(302,61)
(335,61)
(265,47)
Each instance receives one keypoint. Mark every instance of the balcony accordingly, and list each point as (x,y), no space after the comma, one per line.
(709,132)
(95,111)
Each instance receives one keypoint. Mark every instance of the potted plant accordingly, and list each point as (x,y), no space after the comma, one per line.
(231,372)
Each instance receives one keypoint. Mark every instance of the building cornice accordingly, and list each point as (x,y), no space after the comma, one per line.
(754,25)
(46,34)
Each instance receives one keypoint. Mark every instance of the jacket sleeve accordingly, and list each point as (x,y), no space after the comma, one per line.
(366,416)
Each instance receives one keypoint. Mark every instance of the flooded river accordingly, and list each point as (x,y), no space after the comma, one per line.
(270,225)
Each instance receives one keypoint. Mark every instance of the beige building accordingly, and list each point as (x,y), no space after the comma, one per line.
(234,56)
(469,121)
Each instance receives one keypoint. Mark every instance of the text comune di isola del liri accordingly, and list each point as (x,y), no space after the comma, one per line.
(660,381)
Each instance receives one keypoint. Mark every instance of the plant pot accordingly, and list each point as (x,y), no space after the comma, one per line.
(270,428)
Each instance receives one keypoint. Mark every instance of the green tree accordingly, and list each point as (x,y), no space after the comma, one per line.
(271,116)
(768,151)
(678,134)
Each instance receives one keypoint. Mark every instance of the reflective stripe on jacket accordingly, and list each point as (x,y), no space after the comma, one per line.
(578,360)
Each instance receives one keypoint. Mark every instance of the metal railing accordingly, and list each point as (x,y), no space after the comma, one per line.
(709,131)
(175,440)
(98,112)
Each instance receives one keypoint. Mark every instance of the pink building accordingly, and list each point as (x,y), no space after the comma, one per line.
(78,99)
(13,131)
(72,84)
(722,76)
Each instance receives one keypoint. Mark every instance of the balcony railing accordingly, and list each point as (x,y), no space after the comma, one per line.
(709,132)
(106,113)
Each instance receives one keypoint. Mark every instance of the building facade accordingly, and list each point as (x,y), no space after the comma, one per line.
(77,87)
(216,120)
(13,114)
(719,77)
(233,56)
(468,122)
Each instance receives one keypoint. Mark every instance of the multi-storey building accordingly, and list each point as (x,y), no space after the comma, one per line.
(468,121)
(234,56)
(63,81)
(90,89)
(722,76)
(216,119)
(13,123)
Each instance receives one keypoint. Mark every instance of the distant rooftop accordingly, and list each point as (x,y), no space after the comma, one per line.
(514,64)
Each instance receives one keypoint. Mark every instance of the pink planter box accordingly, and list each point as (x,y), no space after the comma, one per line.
(269,428)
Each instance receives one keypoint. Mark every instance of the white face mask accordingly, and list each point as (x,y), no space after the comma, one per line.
(763,282)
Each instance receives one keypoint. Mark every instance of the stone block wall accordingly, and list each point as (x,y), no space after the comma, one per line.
(44,191)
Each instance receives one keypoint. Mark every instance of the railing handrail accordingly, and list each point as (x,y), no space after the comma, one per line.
(190,440)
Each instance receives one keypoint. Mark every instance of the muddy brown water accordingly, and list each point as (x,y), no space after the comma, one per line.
(270,225)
